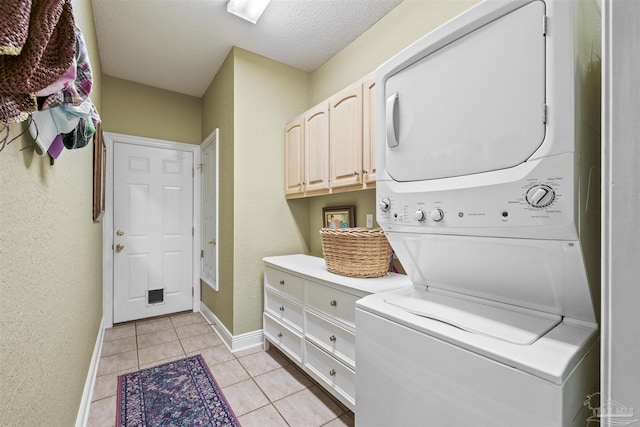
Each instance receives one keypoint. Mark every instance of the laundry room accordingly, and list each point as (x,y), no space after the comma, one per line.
(404,217)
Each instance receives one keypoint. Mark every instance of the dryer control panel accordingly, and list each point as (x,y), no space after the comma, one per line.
(532,200)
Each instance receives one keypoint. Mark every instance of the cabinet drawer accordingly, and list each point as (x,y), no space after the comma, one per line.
(331,338)
(284,282)
(284,338)
(284,310)
(337,304)
(332,374)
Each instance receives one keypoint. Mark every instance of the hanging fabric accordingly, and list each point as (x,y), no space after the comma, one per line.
(34,53)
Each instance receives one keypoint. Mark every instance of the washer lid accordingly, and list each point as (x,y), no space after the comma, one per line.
(513,324)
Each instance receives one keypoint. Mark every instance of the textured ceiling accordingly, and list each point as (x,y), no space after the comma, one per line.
(179,45)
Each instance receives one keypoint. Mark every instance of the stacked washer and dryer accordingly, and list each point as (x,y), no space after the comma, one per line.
(488,191)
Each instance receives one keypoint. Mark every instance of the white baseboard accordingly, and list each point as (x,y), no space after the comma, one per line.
(234,343)
(87,394)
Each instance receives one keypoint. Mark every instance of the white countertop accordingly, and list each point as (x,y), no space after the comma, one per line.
(315,268)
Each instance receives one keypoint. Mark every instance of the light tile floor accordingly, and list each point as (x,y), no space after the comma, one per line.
(263,388)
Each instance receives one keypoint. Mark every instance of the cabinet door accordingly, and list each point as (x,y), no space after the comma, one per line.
(345,112)
(294,157)
(369,133)
(316,142)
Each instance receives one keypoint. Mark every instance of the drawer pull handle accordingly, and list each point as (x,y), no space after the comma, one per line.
(279,334)
(282,308)
(282,282)
(332,338)
(332,372)
(333,303)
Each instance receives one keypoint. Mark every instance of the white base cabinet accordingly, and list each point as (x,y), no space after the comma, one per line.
(309,315)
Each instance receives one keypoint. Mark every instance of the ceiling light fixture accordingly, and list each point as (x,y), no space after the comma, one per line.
(249,10)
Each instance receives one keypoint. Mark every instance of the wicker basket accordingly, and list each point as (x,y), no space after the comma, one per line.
(356,252)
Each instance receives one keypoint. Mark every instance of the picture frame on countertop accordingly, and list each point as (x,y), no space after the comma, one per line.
(339,216)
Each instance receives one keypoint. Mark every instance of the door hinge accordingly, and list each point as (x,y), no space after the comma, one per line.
(202,253)
(193,231)
(193,173)
(544,25)
(544,113)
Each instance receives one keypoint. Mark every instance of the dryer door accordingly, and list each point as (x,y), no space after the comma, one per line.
(474,105)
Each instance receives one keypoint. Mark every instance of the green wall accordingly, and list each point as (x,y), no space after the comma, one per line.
(405,24)
(50,272)
(136,109)
(267,94)
(250,100)
(218,112)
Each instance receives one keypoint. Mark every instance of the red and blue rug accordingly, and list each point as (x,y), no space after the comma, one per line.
(180,393)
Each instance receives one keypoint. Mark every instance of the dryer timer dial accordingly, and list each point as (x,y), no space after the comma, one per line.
(540,196)
(384,204)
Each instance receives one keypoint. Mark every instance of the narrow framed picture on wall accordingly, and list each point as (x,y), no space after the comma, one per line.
(339,217)
(99,174)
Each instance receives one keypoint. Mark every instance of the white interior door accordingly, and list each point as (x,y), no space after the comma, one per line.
(153,231)
(209,173)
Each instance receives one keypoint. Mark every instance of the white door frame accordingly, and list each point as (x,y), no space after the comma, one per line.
(620,206)
(213,138)
(107,220)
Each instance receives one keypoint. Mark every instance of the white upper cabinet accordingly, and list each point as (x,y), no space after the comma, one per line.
(294,157)
(316,143)
(345,136)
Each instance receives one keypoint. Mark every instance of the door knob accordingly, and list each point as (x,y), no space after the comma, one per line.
(119,247)
(120,233)
(212,242)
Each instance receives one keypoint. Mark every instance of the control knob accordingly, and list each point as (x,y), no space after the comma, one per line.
(419,215)
(436,215)
(384,204)
(540,195)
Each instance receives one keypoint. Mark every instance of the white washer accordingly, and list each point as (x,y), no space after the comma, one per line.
(487,135)
(418,371)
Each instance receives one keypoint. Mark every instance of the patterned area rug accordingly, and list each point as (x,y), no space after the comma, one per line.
(180,393)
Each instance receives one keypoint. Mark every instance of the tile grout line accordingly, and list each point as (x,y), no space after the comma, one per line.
(342,411)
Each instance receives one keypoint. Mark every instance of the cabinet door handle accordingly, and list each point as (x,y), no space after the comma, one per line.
(356,173)
(282,282)
(282,308)
(333,303)
(332,372)
(279,334)
(365,171)
(332,338)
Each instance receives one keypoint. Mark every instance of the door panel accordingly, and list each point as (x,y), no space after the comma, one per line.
(316,148)
(475,105)
(153,221)
(345,137)
(209,197)
(294,152)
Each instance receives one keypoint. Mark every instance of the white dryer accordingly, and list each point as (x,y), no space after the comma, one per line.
(488,191)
